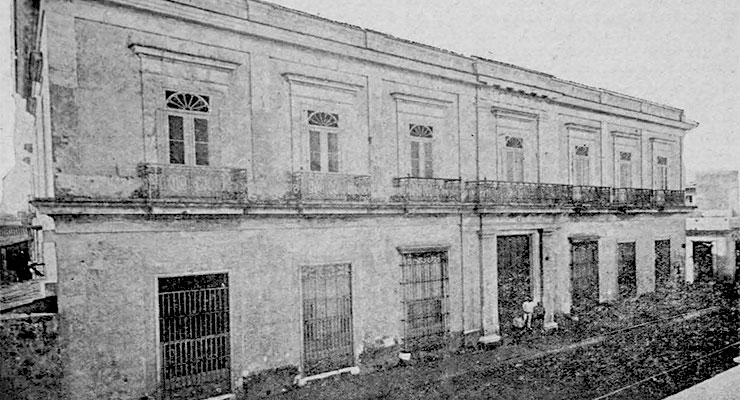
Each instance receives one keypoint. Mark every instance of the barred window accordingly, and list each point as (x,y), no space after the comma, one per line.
(425,298)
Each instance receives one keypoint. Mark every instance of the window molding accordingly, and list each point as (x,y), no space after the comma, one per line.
(572,126)
(425,101)
(517,115)
(144,51)
(422,248)
(297,79)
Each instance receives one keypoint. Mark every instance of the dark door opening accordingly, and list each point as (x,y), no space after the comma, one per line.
(514,280)
(662,263)
(194,336)
(627,270)
(703,262)
(584,275)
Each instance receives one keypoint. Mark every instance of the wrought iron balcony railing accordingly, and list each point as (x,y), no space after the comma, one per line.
(669,198)
(557,195)
(330,186)
(633,198)
(517,193)
(171,181)
(591,196)
(431,190)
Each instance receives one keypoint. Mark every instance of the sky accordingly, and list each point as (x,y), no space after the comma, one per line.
(683,53)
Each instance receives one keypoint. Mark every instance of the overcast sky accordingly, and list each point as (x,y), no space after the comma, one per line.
(684,53)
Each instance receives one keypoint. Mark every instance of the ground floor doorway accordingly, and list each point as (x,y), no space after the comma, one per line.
(703,261)
(584,274)
(194,336)
(514,277)
(327,318)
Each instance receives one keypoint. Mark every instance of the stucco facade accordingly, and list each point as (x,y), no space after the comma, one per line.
(306,142)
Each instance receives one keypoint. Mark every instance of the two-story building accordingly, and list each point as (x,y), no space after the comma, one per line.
(238,187)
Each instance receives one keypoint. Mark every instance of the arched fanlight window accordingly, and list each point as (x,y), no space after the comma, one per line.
(318,118)
(422,131)
(582,151)
(514,143)
(187,101)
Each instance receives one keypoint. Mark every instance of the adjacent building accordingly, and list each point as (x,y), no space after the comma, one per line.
(237,187)
(713,230)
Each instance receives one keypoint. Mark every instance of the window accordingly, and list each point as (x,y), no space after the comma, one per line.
(514,159)
(421,150)
(581,166)
(625,169)
(327,318)
(424,286)
(323,141)
(188,127)
(194,336)
(661,173)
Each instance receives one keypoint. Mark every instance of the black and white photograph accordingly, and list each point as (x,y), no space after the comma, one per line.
(369,199)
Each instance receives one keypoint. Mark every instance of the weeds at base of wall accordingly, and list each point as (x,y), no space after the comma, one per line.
(30,361)
(267,383)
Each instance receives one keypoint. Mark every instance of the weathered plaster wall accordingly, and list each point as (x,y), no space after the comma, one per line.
(108,273)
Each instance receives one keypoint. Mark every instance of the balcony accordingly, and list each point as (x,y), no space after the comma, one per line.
(172,181)
(495,193)
(426,190)
(633,198)
(517,193)
(316,186)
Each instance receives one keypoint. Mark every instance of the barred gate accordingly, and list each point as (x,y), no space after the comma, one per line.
(425,299)
(194,336)
(327,318)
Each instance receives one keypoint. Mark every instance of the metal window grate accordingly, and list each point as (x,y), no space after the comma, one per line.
(327,318)
(425,299)
(194,336)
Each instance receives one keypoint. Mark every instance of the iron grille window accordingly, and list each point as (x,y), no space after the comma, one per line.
(194,336)
(425,299)
(327,318)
